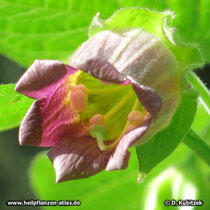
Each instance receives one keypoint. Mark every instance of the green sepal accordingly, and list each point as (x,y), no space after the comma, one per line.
(157,23)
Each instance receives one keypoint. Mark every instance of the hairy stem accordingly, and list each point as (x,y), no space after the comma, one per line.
(198,146)
(200,87)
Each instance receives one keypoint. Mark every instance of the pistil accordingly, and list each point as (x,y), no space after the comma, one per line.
(99,137)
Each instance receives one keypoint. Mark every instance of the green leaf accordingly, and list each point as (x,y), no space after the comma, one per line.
(46,29)
(165,142)
(13,107)
(50,29)
(192,19)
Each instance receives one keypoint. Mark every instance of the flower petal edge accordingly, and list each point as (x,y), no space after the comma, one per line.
(77,158)
(42,77)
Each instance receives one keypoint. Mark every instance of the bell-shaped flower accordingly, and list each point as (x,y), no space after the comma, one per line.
(117,91)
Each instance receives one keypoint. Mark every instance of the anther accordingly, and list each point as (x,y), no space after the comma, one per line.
(136,117)
(97,119)
(131,127)
(82,88)
(147,116)
(78,100)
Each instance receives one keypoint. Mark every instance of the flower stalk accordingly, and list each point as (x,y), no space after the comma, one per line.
(198,146)
(200,87)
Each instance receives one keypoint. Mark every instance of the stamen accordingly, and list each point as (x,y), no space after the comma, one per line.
(82,88)
(136,117)
(147,116)
(97,119)
(130,127)
(118,106)
(78,100)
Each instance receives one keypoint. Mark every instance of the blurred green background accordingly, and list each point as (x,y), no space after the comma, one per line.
(14,160)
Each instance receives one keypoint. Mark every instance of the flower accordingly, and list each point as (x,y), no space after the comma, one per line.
(120,88)
(90,117)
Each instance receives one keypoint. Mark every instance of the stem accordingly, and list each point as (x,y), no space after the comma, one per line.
(200,87)
(198,146)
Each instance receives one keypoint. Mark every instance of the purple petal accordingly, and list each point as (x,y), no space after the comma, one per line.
(119,158)
(147,97)
(76,158)
(103,70)
(49,119)
(31,126)
(42,77)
